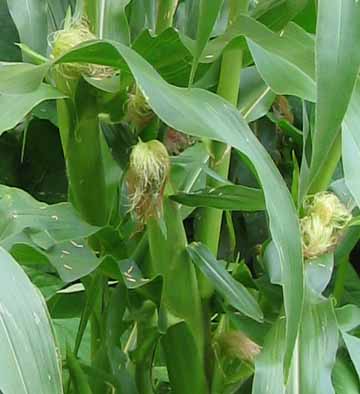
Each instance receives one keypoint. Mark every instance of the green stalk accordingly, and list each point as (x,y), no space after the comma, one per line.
(324,176)
(143,367)
(209,226)
(181,311)
(80,138)
(165,14)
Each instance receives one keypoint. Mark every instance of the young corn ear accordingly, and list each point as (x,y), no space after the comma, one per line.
(235,344)
(147,174)
(64,40)
(323,224)
(139,113)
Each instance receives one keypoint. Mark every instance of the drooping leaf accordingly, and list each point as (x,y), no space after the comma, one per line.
(21,78)
(28,359)
(233,292)
(12,114)
(282,75)
(37,233)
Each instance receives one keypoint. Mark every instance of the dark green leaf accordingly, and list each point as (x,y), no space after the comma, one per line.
(78,376)
(9,36)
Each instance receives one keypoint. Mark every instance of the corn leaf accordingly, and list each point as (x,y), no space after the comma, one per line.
(28,359)
(30,17)
(338,60)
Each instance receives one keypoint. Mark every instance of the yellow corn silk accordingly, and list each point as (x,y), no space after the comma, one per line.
(147,174)
(322,227)
(138,111)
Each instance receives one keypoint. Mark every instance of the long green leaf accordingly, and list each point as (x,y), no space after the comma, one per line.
(337,62)
(28,359)
(30,17)
(351,145)
(113,24)
(208,12)
(316,345)
(232,198)
(233,292)
(204,114)
(269,377)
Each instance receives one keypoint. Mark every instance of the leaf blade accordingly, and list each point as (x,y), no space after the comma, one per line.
(234,292)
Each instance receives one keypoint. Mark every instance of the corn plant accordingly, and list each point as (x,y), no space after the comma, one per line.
(179,196)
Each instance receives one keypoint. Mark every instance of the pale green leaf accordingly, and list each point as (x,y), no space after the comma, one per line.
(12,114)
(28,359)
(353,346)
(337,60)
(30,17)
